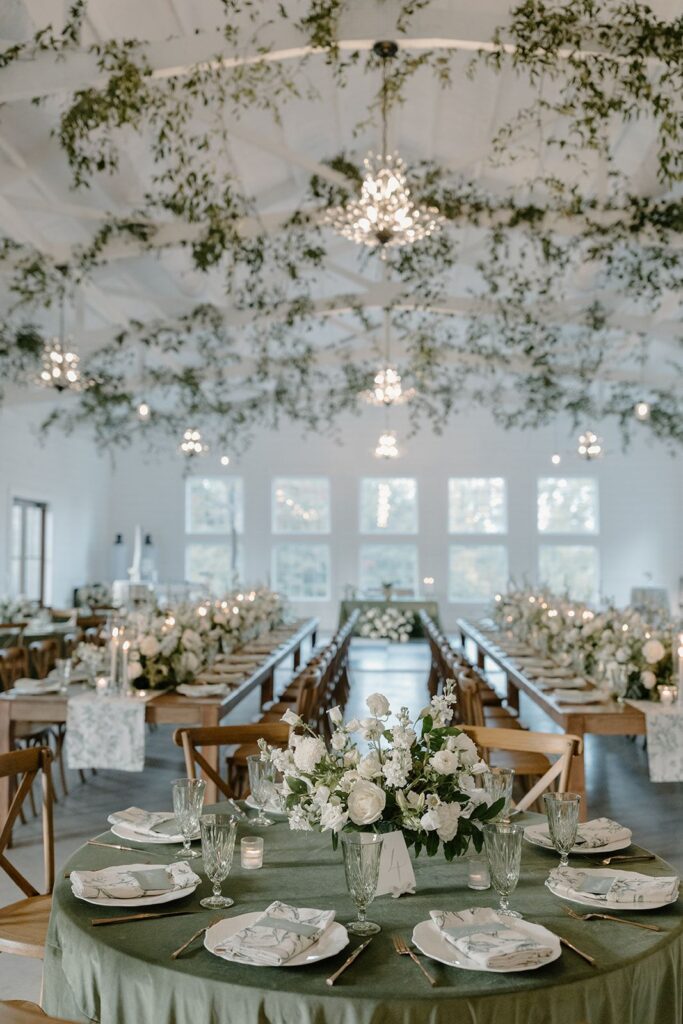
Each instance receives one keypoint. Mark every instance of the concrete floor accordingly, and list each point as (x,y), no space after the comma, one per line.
(617,782)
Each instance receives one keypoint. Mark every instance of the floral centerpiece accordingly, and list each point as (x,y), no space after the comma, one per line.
(17,609)
(386,624)
(94,595)
(627,654)
(418,778)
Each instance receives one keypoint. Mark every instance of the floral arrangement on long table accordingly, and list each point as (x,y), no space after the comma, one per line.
(418,778)
(17,609)
(169,647)
(386,624)
(618,647)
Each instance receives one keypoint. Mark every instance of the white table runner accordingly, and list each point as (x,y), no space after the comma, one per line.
(664,739)
(105,732)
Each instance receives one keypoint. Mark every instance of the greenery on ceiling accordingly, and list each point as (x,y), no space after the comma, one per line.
(499,336)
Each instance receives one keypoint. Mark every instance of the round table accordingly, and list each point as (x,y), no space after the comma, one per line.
(123,974)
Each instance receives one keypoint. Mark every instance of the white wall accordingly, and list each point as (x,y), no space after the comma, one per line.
(74,480)
(640,492)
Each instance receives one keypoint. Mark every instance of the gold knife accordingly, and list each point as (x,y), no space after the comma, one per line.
(579,952)
(138,917)
(128,849)
(347,963)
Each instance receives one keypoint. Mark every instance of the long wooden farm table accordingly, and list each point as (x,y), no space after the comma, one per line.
(166,708)
(609,719)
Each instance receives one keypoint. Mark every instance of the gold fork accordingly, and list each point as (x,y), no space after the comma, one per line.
(403,949)
(611,917)
(200,931)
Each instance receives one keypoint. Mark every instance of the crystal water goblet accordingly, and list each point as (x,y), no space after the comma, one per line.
(262,786)
(498,783)
(503,843)
(362,852)
(188,797)
(218,846)
(563,822)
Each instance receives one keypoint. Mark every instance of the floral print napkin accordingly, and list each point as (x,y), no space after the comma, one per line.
(279,934)
(147,823)
(492,942)
(122,883)
(591,835)
(602,886)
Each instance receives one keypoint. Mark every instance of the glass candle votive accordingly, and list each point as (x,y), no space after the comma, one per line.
(667,694)
(251,852)
(478,872)
(102,685)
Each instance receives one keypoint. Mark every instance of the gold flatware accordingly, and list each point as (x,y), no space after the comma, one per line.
(579,952)
(128,849)
(200,931)
(403,949)
(627,858)
(95,921)
(347,963)
(611,917)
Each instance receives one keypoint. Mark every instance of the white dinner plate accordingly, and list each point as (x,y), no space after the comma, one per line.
(597,904)
(531,834)
(270,808)
(331,942)
(141,901)
(430,941)
(131,836)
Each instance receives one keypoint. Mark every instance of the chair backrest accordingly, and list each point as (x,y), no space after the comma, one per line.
(564,745)
(42,655)
(13,665)
(274,733)
(23,766)
(18,1011)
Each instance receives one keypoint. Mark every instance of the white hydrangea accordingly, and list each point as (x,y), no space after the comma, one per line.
(308,751)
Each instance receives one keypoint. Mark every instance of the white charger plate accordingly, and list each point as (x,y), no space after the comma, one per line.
(331,942)
(141,901)
(430,941)
(597,904)
(533,836)
(131,836)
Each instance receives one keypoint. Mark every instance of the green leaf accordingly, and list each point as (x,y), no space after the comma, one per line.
(296,785)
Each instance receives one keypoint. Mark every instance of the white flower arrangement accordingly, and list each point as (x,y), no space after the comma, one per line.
(386,624)
(625,653)
(17,609)
(418,778)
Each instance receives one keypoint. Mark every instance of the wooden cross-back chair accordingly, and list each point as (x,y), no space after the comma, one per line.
(274,733)
(23,925)
(43,655)
(19,1011)
(526,749)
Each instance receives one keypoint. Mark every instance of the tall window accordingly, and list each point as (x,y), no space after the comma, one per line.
(214,523)
(477,522)
(388,563)
(388,505)
(568,509)
(301,505)
(28,549)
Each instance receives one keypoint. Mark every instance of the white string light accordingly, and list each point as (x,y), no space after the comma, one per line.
(192,444)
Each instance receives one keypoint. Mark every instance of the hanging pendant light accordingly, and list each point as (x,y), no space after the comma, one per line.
(590,446)
(387,387)
(387,446)
(192,444)
(642,411)
(384,214)
(60,363)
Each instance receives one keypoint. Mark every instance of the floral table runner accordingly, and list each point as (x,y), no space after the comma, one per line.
(664,740)
(105,732)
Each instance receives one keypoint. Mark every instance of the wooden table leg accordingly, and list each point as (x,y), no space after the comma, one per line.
(297,656)
(481,657)
(577,773)
(5,748)
(210,718)
(267,688)
(512,692)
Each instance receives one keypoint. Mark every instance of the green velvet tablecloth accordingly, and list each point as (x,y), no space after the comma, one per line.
(123,974)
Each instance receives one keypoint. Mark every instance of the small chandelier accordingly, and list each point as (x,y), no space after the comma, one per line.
(387,388)
(192,444)
(590,446)
(384,214)
(387,447)
(60,363)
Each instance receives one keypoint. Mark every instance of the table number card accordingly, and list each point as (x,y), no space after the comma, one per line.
(396,875)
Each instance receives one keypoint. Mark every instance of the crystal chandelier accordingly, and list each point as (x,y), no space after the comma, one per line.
(192,444)
(590,446)
(387,387)
(60,363)
(384,214)
(387,447)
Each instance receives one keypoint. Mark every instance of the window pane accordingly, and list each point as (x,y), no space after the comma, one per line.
(571,569)
(388,505)
(476,571)
(302,571)
(34,531)
(301,505)
(214,505)
(216,566)
(567,505)
(477,505)
(388,563)
(33,573)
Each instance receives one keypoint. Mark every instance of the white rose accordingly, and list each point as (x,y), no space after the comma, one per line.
(648,679)
(191,639)
(149,647)
(465,747)
(353,725)
(332,817)
(134,670)
(189,663)
(371,728)
(366,803)
(378,705)
(348,781)
(308,751)
(448,816)
(335,715)
(445,762)
(321,795)
(653,651)
(291,718)
(338,741)
(369,766)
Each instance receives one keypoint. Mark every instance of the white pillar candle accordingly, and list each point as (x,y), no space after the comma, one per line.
(124,664)
(251,852)
(113,654)
(666,694)
(478,876)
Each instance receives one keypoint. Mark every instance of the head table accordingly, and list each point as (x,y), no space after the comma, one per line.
(123,974)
